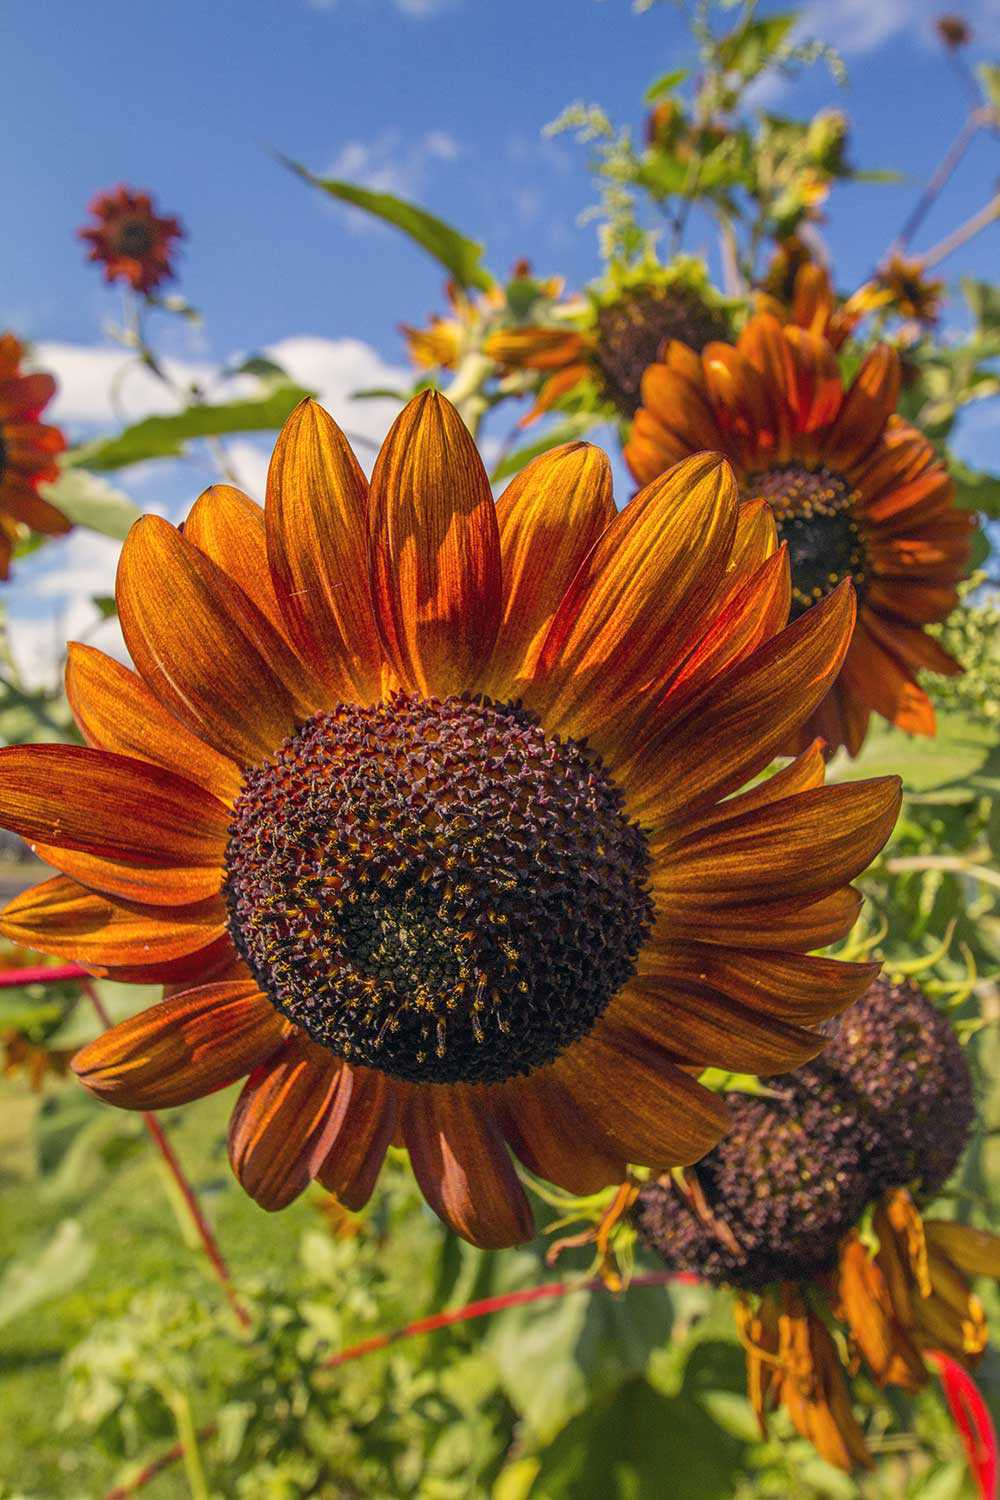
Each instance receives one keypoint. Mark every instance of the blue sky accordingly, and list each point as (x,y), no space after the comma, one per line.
(441,100)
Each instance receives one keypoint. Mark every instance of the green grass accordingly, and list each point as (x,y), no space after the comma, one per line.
(127,1216)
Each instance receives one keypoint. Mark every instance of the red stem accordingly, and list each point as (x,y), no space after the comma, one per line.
(209,1243)
(431,1324)
(44,974)
(487,1305)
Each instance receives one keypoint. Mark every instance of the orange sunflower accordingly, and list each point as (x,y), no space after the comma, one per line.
(421,806)
(28,452)
(134,243)
(798,290)
(855,491)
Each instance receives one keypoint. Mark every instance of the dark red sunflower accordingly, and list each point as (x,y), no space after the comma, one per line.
(855,491)
(29,452)
(131,240)
(421,805)
(779,1210)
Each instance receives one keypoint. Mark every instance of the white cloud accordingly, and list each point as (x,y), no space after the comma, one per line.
(418,10)
(857,27)
(49,596)
(391,163)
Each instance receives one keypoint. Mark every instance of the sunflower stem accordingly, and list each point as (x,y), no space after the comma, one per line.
(986,216)
(977,120)
(188,1197)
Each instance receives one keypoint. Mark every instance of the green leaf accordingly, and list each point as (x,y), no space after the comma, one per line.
(461,257)
(27,1283)
(554,1359)
(750,48)
(989,77)
(956,755)
(665,84)
(91,502)
(165,437)
(974,488)
(640,1445)
(566,432)
(983,297)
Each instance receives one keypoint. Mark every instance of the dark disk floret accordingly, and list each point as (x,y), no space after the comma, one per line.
(904,1059)
(632,330)
(776,1196)
(815,513)
(436,889)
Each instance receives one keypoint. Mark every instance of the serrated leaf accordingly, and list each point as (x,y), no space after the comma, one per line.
(27,1283)
(166,436)
(90,501)
(460,256)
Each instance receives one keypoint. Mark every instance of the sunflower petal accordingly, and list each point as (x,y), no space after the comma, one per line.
(183,620)
(546,1131)
(727,735)
(703,1027)
(635,600)
(183,1048)
(365,1126)
(549,518)
(975,1251)
(61,917)
(116,711)
(639,1100)
(435,550)
(317,539)
(795,987)
(279,1127)
(228,527)
(464,1169)
(123,825)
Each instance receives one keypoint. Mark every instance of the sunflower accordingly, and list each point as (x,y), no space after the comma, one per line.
(909,291)
(421,807)
(798,290)
(607,342)
(444,341)
(808,1209)
(856,493)
(134,243)
(28,452)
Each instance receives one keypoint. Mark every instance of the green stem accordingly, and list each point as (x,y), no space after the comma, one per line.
(188,1440)
(466,390)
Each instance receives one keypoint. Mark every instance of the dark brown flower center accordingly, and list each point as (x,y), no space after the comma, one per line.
(632,330)
(134,238)
(436,888)
(3,454)
(815,512)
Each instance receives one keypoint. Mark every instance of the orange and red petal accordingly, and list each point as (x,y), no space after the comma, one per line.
(317,542)
(548,1133)
(463,1167)
(283,1122)
(549,517)
(366,1110)
(182,1048)
(228,527)
(191,632)
(62,917)
(115,710)
(796,987)
(125,826)
(435,551)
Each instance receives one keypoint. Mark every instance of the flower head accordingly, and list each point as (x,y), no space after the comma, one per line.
(422,806)
(131,240)
(29,452)
(855,491)
(908,291)
(613,339)
(777,1209)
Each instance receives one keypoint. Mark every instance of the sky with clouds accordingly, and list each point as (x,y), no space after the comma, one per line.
(442,100)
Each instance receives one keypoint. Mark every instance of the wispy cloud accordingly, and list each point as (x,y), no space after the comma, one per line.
(419,10)
(391,163)
(859,27)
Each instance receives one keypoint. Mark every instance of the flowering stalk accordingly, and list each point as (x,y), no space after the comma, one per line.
(203,1229)
(41,974)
